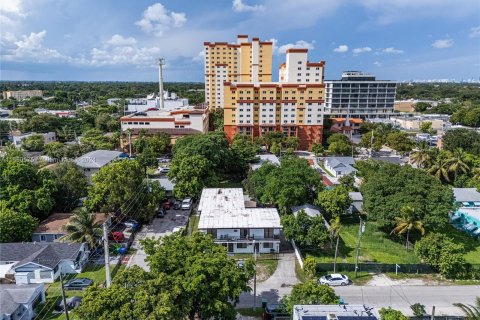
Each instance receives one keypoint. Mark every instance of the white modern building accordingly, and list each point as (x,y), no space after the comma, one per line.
(152,101)
(228,218)
(359,95)
(297,68)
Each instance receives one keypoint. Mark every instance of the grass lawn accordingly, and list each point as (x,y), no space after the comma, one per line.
(54,293)
(230,184)
(324,169)
(374,246)
(192,224)
(248,312)
(472,246)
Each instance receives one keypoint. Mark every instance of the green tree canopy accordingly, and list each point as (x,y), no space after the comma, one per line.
(121,187)
(71,185)
(305,230)
(15,226)
(292,183)
(34,142)
(335,201)
(468,140)
(310,293)
(391,314)
(388,187)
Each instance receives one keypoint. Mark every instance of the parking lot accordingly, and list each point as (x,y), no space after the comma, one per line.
(157,228)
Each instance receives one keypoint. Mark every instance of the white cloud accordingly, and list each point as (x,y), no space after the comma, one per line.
(341,48)
(130,55)
(474,32)
(362,50)
(157,20)
(392,50)
(442,43)
(299,44)
(239,6)
(29,48)
(200,57)
(12,7)
(378,63)
(118,40)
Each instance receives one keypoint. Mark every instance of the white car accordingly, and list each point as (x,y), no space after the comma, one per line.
(187,203)
(334,279)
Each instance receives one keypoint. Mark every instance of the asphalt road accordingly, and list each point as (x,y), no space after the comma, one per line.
(158,228)
(401,297)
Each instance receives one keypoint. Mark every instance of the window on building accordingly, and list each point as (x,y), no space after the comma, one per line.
(268,233)
(241,245)
(299,68)
(43,238)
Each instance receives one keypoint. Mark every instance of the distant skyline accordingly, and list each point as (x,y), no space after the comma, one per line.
(120,40)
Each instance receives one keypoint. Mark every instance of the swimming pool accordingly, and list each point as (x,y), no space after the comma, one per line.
(467,219)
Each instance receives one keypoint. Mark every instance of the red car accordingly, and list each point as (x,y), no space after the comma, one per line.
(167,204)
(117,236)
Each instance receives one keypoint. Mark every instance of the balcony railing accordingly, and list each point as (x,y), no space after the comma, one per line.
(245,238)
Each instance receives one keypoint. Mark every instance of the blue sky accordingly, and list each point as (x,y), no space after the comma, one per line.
(120,39)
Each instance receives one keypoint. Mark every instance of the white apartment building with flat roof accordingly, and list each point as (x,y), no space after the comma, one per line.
(360,95)
(235,224)
(297,68)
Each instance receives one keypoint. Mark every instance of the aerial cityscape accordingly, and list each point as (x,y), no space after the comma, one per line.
(240,159)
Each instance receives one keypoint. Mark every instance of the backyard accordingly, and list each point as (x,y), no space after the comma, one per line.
(54,293)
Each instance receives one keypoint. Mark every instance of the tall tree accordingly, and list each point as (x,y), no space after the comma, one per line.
(457,163)
(407,222)
(209,279)
(335,201)
(15,226)
(121,187)
(335,226)
(423,157)
(71,185)
(82,227)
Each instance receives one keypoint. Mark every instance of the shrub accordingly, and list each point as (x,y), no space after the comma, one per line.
(391,314)
(418,309)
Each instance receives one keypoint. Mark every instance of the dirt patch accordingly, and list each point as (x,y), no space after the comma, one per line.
(262,273)
(382,280)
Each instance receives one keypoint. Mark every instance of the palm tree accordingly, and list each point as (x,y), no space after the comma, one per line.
(406,222)
(471,312)
(83,228)
(476,174)
(423,157)
(440,170)
(335,226)
(456,164)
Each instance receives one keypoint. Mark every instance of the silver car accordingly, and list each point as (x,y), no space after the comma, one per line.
(335,279)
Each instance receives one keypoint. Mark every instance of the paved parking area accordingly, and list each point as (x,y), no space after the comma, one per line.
(158,228)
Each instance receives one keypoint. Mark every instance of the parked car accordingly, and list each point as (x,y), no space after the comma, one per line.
(117,236)
(187,203)
(167,204)
(164,170)
(78,284)
(334,279)
(161,212)
(177,205)
(130,223)
(163,160)
(72,303)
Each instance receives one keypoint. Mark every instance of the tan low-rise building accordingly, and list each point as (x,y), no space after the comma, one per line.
(177,123)
(22,94)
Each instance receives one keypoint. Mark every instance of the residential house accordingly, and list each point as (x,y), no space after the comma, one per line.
(50,229)
(467,216)
(310,210)
(334,312)
(18,301)
(233,222)
(271,158)
(357,202)
(339,166)
(467,197)
(93,161)
(165,183)
(17,138)
(33,262)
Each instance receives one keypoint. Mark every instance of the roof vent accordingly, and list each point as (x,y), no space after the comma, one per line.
(332,316)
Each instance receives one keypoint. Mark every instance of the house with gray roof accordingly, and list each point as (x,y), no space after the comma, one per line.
(93,161)
(339,166)
(357,202)
(262,158)
(18,301)
(467,197)
(31,262)
(311,210)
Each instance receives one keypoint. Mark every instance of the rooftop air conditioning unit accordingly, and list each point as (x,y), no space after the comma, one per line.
(332,316)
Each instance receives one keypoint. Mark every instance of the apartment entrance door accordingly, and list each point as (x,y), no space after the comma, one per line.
(230,247)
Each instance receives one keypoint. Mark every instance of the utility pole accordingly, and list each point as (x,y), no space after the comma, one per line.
(161,63)
(108,279)
(65,307)
(255,278)
(361,230)
(129,143)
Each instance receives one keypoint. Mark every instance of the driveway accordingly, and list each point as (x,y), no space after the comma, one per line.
(401,297)
(158,228)
(275,287)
